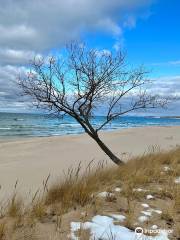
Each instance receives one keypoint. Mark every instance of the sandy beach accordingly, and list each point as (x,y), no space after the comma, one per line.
(30,161)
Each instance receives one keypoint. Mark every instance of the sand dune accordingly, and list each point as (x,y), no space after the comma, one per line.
(31,160)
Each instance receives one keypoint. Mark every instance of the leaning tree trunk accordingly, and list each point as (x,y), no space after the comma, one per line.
(105,149)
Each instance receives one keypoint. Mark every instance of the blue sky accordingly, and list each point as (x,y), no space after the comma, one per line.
(148,30)
(154,41)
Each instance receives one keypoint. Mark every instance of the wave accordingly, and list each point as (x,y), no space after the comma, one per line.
(12,125)
(69,125)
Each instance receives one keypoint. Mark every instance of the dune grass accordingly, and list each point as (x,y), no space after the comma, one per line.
(153,173)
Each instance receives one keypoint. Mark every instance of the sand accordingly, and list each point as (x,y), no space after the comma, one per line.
(30,161)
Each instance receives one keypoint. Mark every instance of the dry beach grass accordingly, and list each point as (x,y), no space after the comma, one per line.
(104,191)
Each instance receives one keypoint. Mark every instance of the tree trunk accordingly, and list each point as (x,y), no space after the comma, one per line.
(105,149)
(93,134)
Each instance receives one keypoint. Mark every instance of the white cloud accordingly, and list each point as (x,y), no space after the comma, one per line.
(175,62)
(108,25)
(43,24)
(10,96)
(167,86)
(11,56)
(16,32)
(168,63)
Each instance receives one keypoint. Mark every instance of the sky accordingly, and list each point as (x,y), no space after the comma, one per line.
(147,30)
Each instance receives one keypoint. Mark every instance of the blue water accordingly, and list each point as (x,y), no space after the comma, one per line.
(13,125)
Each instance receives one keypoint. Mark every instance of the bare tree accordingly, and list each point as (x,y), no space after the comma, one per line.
(83,81)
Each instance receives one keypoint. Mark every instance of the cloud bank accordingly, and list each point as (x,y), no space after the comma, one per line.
(44,24)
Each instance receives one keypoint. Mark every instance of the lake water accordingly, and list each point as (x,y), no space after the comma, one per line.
(13,125)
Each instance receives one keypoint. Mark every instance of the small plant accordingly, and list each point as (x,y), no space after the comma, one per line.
(27,234)
(58,223)
(110,197)
(83,234)
(38,210)
(2,230)
(18,222)
(168,216)
(14,208)
(176,197)
(130,213)
(177,231)
(76,189)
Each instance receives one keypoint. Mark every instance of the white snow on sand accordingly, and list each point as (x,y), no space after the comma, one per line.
(149,197)
(117,189)
(167,168)
(102,227)
(149,210)
(105,194)
(177,180)
(145,205)
(140,190)
(157,211)
(143,219)
(148,213)
(154,227)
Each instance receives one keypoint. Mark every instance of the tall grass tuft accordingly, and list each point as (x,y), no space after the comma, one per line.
(2,230)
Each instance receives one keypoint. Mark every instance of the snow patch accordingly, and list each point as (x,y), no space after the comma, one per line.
(154,227)
(167,168)
(148,213)
(117,189)
(140,190)
(105,194)
(157,211)
(143,218)
(102,227)
(149,197)
(145,205)
(177,180)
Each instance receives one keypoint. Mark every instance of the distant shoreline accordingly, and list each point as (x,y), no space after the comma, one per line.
(170,117)
(162,117)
